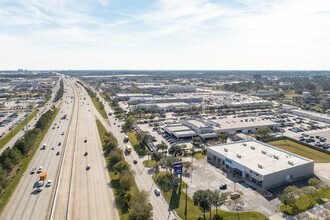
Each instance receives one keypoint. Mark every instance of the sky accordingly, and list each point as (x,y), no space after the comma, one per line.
(165,34)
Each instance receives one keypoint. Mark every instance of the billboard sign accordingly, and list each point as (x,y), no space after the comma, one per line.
(178,168)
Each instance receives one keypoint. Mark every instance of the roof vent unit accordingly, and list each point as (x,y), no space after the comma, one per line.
(253,148)
(226,150)
(290,162)
(259,165)
(239,156)
(264,152)
(276,157)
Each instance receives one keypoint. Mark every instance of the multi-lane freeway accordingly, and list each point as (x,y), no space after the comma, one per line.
(75,192)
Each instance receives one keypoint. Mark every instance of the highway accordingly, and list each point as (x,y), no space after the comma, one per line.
(82,193)
(26,202)
(143,178)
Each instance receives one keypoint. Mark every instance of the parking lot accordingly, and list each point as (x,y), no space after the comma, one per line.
(9,120)
(206,176)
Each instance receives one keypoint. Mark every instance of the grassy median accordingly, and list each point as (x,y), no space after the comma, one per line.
(15,130)
(317,156)
(24,163)
(100,107)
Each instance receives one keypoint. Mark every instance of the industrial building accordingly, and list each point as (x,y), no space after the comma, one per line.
(308,114)
(212,127)
(260,163)
(166,107)
(179,88)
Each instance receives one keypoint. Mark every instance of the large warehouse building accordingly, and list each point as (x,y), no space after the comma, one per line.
(263,164)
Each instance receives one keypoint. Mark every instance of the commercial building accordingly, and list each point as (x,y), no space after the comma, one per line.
(263,164)
(179,88)
(166,99)
(166,107)
(308,114)
(127,96)
(211,128)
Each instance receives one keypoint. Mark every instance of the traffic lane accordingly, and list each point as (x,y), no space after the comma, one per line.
(26,199)
(100,193)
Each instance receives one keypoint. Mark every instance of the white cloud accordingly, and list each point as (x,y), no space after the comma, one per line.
(191,34)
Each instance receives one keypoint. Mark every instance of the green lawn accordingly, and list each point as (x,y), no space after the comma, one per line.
(301,150)
(149,163)
(4,198)
(98,105)
(199,156)
(303,203)
(177,199)
(15,130)
(132,138)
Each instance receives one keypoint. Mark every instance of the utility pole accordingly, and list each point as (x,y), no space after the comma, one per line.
(186,209)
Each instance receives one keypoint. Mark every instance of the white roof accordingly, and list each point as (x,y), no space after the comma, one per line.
(272,159)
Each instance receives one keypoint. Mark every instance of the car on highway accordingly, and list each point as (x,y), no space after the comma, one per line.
(157,192)
(39,189)
(49,183)
(85,141)
(33,171)
(39,170)
(135,161)
(62,133)
(40,183)
(88,167)
(53,148)
(223,186)
(85,154)
(58,153)
(53,127)
(58,126)
(59,143)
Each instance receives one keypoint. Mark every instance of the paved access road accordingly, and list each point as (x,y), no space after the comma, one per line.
(142,174)
(82,193)
(26,202)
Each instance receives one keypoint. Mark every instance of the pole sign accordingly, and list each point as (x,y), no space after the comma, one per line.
(178,168)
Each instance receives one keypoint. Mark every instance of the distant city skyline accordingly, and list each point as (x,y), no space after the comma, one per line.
(165,35)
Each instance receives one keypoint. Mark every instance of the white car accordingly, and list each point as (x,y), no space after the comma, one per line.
(39,189)
(157,192)
(49,183)
(40,183)
(39,170)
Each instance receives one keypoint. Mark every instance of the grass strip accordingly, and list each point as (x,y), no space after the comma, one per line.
(23,166)
(100,108)
(317,156)
(15,130)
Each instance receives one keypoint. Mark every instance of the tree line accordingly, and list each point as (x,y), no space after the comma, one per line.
(128,198)
(11,157)
(60,91)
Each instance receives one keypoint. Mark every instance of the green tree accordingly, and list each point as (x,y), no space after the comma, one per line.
(162,147)
(223,137)
(140,209)
(263,132)
(168,162)
(121,166)
(316,183)
(197,140)
(201,198)
(115,157)
(219,199)
(175,150)
(130,121)
(126,180)
(3,179)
